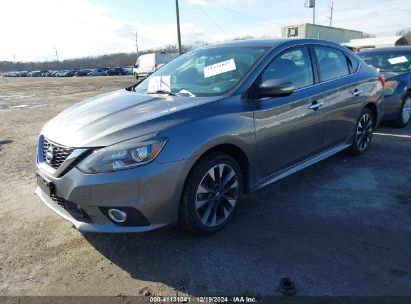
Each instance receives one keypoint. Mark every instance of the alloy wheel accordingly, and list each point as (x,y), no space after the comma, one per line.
(364,131)
(217,195)
(406,110)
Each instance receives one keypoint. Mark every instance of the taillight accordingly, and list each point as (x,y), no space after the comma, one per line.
(381,78)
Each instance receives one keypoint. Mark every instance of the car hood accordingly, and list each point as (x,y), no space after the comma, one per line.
(114,117)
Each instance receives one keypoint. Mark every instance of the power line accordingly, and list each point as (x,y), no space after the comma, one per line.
(249,16)
(209,17)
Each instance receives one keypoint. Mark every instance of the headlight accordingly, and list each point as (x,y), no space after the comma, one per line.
(124,155)
(390,87)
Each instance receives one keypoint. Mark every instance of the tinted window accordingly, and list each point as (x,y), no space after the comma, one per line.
(294,65)
(332,62)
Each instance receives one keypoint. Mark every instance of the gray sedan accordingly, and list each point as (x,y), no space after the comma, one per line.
(395,64)
(183,145)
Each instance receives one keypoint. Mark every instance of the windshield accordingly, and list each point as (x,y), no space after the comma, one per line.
(397,62)
(203,72)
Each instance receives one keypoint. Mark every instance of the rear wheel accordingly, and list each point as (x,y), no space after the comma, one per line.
(211,194)
(363,133)
(405,112)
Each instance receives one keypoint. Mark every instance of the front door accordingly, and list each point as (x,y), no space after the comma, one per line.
(289,129)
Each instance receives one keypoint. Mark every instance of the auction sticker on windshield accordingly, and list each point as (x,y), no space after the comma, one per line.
(158,83)
(219,68)
(397,60)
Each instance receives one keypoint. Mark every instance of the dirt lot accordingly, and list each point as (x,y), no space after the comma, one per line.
(342,227)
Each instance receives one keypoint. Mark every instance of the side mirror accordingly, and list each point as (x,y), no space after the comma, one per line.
(275,88)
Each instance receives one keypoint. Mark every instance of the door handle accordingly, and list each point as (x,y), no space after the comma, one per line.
(316,105)
(357,92)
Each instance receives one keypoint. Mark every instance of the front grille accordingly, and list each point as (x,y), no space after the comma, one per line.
(60,153)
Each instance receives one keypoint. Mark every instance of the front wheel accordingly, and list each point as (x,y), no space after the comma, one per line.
(405,112)
(211,194)
(363,133)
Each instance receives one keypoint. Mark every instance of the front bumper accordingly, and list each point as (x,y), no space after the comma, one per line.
(152,191)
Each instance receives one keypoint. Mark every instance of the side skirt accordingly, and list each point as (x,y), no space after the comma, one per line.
(301,165)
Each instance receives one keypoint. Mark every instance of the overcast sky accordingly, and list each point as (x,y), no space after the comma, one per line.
(30,30)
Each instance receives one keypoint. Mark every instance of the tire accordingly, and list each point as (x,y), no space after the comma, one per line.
(206,207)
(405,112)
(135,76)
(362,133)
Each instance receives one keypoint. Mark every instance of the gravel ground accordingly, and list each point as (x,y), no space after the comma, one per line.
(341,227)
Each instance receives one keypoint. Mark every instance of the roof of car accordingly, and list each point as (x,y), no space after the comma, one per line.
(389,49)
(268,42)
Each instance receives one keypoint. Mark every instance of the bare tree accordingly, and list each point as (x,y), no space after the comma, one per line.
(404,31)
(368,35)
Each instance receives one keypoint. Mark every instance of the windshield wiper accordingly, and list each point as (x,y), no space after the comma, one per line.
(162,92)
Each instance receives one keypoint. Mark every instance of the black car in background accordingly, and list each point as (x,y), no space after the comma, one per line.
(36,73)
(115,71)
(395,64)
(82,73)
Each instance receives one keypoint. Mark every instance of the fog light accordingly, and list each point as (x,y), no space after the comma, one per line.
(117,216)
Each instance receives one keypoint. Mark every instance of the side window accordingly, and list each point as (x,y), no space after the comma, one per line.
(332,63)
(293,65)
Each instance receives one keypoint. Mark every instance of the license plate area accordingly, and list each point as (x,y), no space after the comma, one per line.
(46,185)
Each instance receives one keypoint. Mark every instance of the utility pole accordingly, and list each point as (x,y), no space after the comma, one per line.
(331,13)
(57,55)
(178,28)
(137,43)
(311,4)
(314,13)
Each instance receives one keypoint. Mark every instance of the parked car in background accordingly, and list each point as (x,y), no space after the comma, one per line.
(255,111)
(82,73)
(115,71)
(35,73)
(21,74)
(97,72)
(45,74)
(11,74)
(128,70)
(395,64)
(71,73)
(149,63)
(61,73)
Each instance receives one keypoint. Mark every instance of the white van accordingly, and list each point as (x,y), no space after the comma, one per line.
(148,63)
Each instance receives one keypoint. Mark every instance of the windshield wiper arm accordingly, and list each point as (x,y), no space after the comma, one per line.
(162,92)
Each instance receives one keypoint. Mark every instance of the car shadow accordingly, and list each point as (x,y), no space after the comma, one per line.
(197,265)
(296,228)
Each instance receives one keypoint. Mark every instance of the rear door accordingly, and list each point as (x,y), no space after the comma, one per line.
(343,93)
(289,129)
